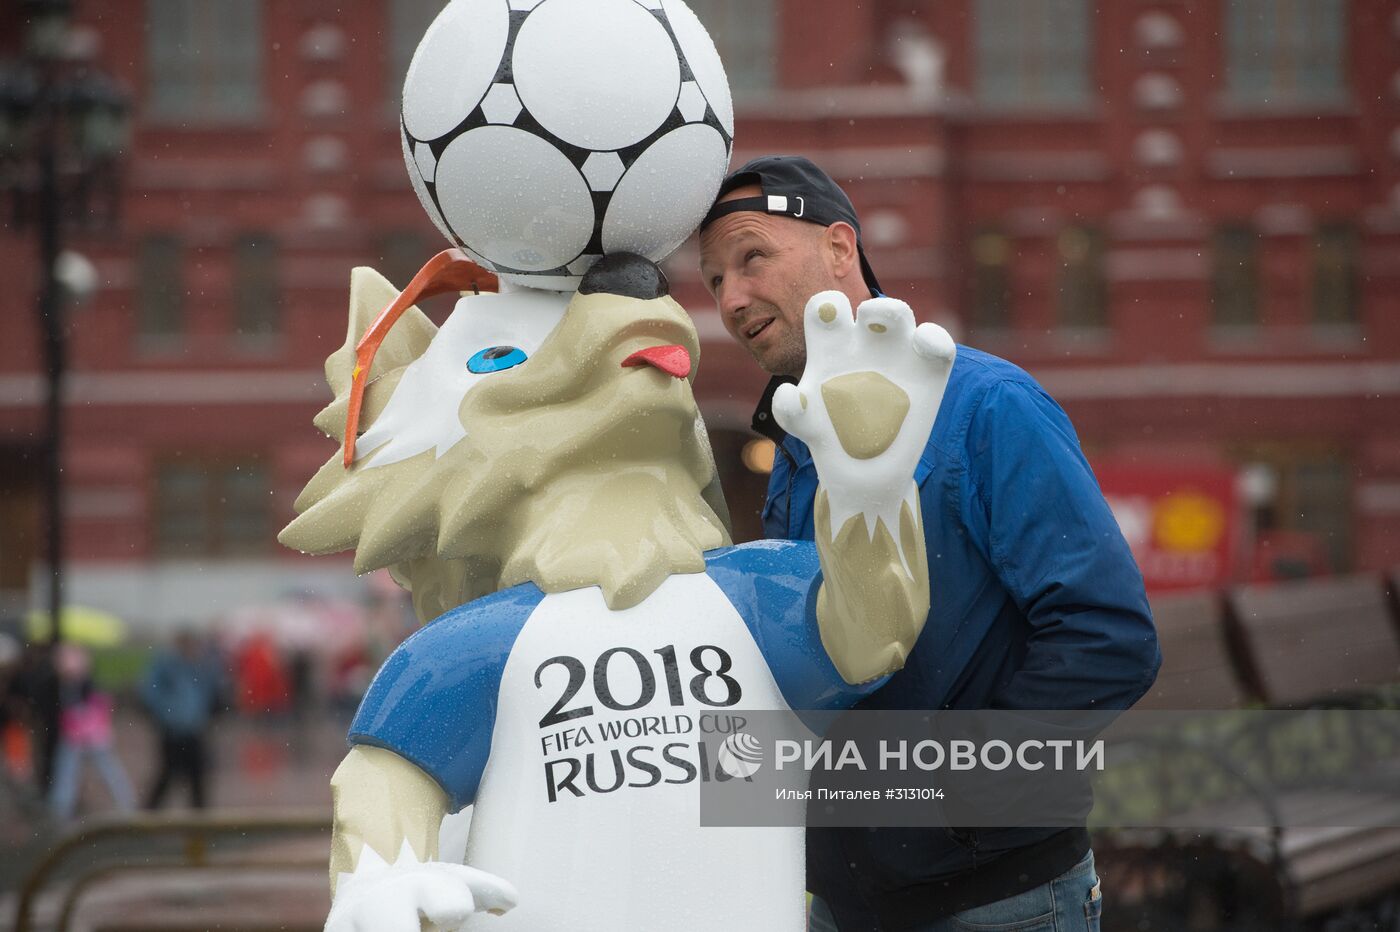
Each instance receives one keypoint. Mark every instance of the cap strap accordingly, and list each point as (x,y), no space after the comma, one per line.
(794,206)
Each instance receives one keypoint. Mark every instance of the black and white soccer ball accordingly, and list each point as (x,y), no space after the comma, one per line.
(542,134)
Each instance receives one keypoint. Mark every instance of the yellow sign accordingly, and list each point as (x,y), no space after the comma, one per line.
(1187,522)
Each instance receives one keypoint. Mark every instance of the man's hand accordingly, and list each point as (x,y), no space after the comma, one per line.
(380,897)
(867,402)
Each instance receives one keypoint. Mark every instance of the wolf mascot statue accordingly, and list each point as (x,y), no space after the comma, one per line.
(537,474)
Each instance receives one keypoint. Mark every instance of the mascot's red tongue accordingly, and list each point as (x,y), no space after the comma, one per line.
(672,360)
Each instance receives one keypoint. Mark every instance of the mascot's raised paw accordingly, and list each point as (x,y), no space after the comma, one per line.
(381,897)
(866,403)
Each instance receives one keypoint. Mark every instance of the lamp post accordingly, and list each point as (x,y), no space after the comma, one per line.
(62,126)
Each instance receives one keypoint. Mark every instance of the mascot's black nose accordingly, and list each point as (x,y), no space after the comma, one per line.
(626,274)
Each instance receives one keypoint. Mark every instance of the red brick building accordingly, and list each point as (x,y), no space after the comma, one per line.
(1184,219)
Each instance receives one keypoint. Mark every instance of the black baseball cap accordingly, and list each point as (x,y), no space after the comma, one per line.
(794,187)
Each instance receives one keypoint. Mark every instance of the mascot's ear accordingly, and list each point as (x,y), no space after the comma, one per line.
(370,294)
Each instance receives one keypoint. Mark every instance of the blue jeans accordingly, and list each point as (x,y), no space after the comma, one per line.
(68,777)
(1071,902)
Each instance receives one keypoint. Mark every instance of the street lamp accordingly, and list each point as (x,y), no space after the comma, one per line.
(46,32)
(62,126)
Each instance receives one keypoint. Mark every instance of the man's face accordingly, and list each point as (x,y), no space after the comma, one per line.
(761,270)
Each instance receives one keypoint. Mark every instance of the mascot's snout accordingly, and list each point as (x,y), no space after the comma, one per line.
(629,275)
(625,274)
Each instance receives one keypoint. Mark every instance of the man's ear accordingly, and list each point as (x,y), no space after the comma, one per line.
(841,245)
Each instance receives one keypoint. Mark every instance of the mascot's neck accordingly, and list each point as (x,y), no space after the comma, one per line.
(625,530)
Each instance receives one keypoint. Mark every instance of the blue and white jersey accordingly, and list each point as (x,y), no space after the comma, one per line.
(580,734)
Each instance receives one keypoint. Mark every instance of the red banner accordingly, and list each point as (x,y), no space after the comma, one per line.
(1183,523)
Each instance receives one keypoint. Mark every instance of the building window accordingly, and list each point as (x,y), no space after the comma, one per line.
(1033,53)
(1303,522)
(991,281)
(160,288)
(1083,292)
(408,21)
(401,254)
(205,59)
(257,294)
(745,32)
(1286,51)
(21,533)
(256,287)
(212,509)
(1319,489)
(1235,278)
(1335,292)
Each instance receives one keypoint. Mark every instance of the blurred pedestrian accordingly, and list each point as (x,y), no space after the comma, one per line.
(34,697)
(301,680)
(263,687)
(15,763)
(85,734)
(182,690)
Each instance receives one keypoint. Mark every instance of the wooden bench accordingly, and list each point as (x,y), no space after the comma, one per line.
(1330,644)
(1198,670)
(1325,640)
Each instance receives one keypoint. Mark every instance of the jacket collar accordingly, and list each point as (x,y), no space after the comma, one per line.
(763,422)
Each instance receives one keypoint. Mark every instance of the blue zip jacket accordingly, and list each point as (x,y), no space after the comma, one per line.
(1037,604)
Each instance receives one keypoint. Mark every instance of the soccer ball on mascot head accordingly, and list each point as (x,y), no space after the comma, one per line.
(539,136)
(542,134)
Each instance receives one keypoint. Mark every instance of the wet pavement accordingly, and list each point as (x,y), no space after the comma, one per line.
(260,771)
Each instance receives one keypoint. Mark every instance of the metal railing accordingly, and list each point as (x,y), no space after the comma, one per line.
(195,833)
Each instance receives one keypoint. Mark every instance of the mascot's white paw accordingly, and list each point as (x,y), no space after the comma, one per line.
(866,403)
(383,897)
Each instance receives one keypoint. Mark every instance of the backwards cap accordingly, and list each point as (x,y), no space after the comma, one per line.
(794,187)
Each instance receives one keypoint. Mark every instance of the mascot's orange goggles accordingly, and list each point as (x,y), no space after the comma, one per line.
(449,270)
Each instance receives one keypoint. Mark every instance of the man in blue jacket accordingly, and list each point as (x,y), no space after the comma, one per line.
(1036,601)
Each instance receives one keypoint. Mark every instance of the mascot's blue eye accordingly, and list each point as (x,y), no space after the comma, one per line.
(496,358)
